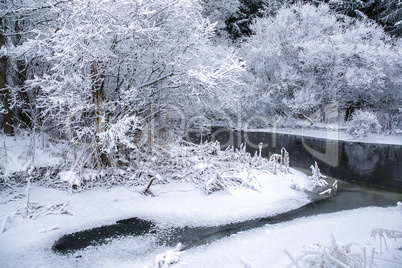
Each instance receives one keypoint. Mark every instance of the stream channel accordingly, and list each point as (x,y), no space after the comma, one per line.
(367,174)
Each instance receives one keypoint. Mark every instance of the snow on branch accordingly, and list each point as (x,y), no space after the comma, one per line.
(334,255)
(35,210)
(383,232)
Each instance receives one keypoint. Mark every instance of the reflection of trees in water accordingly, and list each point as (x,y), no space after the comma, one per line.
(362,157)
(391,159)
(365,158)
(379,164)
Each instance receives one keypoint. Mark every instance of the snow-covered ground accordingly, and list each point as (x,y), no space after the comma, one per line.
(27,242)
(175,204)
(16,153)
(265,246)
(26,238)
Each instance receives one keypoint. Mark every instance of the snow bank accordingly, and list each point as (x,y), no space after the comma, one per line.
(176,204)
(27,242)
(265,246)
(332,133)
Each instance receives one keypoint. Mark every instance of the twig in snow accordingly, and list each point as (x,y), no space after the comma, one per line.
(3,225)
(147,190)
(246,263)
(390,233)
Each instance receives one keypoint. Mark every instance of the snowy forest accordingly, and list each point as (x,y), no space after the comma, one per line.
(102,93)
(113,76)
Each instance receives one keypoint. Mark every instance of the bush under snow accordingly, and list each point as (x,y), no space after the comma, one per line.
(364,123)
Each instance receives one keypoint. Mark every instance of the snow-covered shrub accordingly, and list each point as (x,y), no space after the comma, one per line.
(214,170)
(391,122)
(279,161)
(381,232)
(170,257)
(71,177)
(335,255)
(206,165)
(317,178)
(231,178)
(319,183)
(364,123)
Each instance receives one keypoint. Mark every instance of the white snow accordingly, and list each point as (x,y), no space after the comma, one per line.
(70,176)
(27,242)
(18,154)
(265,246)
(27,233)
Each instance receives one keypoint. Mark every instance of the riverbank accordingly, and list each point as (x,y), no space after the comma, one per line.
(265,247)
(27,242)
(331,132)
(27,237)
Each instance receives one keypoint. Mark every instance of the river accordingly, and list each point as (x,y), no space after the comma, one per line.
(367,174)
(367,164)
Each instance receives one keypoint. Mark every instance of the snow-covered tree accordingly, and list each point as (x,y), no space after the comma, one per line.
(387,13)
(116,60)
(363,123)
(18,19)
(304,58)
(220,11)
(234,17)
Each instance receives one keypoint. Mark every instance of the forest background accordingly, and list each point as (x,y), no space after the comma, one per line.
(112,79)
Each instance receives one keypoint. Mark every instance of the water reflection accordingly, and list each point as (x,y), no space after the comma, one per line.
(362,157)
(370,164)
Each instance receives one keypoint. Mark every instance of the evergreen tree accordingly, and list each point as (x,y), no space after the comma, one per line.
(387,13)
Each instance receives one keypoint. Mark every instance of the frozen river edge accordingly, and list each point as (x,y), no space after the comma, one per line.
(28,242)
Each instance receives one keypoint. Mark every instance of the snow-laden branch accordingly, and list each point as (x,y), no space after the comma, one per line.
(383,233)
(334,255)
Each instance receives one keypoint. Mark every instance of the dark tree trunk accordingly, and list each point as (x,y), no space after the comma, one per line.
(4,92)
(98,93)
(349,111)
(20,77)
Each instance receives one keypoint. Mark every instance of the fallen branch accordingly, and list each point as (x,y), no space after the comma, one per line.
(147,190)
(308,119)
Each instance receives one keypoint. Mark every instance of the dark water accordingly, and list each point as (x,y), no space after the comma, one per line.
(368,164)
(102,235)
(348,197)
